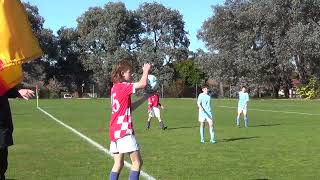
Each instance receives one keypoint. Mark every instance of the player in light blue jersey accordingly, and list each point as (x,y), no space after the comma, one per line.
(205,114)
(242,106)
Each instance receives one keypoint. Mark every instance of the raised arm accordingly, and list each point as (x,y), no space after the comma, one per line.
(140,85)
(22,93)
(143,81)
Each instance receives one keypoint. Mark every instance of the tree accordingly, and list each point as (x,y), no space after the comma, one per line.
(68,68)
(164,39)
(189,72)
(303,38)
(165,27)
(39,72)
(106,36)
(112,33)
(264,41)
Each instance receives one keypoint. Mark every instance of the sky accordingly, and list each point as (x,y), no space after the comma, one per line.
(59,13)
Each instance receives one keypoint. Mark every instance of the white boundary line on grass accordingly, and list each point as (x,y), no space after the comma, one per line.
(92,142)
(266,110)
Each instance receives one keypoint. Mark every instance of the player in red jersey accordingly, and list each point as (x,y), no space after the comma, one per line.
(121,130)
(154,111)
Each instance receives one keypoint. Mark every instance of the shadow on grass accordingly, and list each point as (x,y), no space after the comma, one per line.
(265,125)
(10,179)
(182,127)
(262,179)
(20,114)
(240,138)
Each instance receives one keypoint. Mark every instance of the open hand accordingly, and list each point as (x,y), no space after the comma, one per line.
(26,93)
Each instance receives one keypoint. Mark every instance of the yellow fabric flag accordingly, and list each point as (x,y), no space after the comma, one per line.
(10,77)
(17,43)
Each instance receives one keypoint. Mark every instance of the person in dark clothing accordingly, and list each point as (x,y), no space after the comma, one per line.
(6,126)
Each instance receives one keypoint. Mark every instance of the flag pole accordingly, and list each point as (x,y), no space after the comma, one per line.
(37,95)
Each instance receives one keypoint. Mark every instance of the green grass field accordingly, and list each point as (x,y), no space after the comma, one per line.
(279,144)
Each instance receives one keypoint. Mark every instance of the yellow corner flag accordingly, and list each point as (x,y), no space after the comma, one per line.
(17,43)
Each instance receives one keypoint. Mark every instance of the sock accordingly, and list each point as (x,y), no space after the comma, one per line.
(238,120)
(211,134)
(114,175)
(162,126)
(148,125)
(134,175)
(246,121)
(201,134)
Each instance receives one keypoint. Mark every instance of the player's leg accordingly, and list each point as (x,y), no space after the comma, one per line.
(137,162)
(211,130)
(128,144)
(151,115)
(3,162)
(238,116)
(201,131)
(245,115)
(161,124)
(118,161)
(157,114)
(148,125)
(117,166)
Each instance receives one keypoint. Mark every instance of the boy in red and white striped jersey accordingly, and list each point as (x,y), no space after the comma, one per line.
(154,110)
(121,130)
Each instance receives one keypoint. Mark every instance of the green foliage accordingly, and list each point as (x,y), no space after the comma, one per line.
(54,87)
(44,93)
(53,95)
(69,69)
(189,72)
(310,90)
(153,33)
(175,89)
(165,27)
(263,41)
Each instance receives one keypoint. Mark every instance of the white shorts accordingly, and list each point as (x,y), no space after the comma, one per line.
(242,109)
(203,117)
(124,145)
(154,112)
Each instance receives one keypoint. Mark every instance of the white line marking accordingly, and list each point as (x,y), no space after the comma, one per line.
(92,142)
(266,110)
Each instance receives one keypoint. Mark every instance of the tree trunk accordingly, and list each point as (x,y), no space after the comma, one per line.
(79,90)
(275,91)
(286,92)
(221,89)
(259,92)
(301,67)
